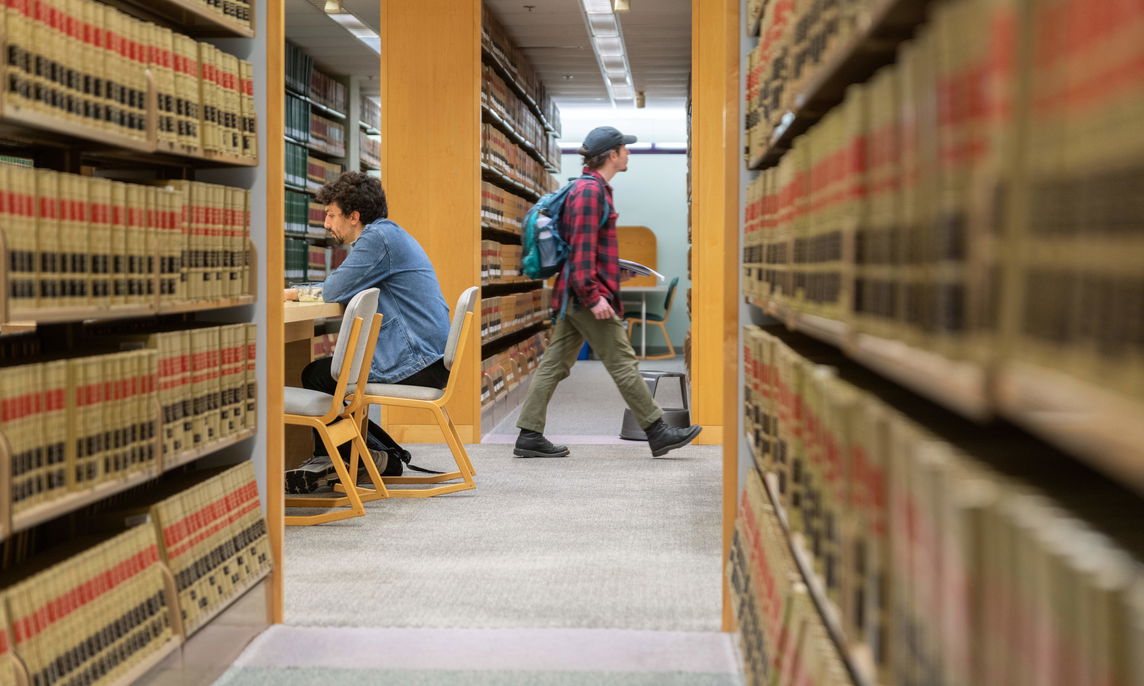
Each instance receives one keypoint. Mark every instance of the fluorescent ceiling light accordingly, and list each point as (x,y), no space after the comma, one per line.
(609,47)
(614,64)
(640,146)
(359,29)
(623,92)
(620,79)
(597,6)
(603,25)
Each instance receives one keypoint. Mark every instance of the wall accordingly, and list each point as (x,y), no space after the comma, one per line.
(653,193)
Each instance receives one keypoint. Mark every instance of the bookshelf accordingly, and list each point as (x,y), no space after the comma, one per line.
(519,157)
(133,219)
(934,393)
(318,150)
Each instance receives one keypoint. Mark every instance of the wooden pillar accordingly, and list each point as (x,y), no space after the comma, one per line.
(275,170)
(430,166)
(715,160)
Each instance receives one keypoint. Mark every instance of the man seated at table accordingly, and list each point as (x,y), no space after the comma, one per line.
(415,324)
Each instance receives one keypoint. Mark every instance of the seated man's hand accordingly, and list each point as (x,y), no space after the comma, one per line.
(290,294)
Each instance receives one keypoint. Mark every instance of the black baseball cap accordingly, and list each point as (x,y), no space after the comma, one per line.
(602,139)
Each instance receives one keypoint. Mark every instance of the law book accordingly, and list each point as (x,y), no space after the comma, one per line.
(17,212)
(249,121)
(637,269)
(135,274)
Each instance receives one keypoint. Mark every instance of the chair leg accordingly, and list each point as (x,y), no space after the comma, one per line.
(452,439)
(670,347)
(379,490)
(457,438)
(351,493)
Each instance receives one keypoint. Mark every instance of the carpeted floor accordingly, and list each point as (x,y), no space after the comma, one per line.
(587,407)
(605,538)
(603,566)
(489,657)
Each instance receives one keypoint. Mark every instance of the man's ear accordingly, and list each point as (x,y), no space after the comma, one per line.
(355,216)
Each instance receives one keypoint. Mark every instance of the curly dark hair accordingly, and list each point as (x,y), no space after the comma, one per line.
(356,192)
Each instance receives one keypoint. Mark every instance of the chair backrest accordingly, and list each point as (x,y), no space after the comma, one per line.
(669,296)
(466,303)
(362,305)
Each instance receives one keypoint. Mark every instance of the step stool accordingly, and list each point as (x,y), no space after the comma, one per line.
(680,417)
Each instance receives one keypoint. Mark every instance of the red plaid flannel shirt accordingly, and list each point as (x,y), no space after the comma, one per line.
(593,267)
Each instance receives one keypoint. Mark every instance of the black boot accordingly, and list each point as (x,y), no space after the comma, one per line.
(534,444)
(663,438)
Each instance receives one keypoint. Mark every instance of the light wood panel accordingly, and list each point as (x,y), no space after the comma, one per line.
(714,243)
(275,171)
(430,164)
(638,244)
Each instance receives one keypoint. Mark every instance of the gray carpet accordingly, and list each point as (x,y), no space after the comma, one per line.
(587,403)
(290,656)
(606,538)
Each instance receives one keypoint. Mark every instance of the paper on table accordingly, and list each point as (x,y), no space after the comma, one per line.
(640,269)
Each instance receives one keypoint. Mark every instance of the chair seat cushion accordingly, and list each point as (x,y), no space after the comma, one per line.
(651,316)
(390,390)
(305,402)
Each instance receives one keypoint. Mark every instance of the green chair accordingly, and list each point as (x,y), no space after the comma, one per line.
(656,318)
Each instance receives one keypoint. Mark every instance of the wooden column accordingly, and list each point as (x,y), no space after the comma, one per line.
(715,160)
(430,166)
(275,170)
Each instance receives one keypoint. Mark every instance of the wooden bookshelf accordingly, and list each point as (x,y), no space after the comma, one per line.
(490,116)
(195,17)
(508,184)
(505,73)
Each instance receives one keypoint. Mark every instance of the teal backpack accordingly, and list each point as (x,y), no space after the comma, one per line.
(545,250)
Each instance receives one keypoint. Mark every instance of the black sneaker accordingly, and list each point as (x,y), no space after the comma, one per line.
(306,477)
(534,444)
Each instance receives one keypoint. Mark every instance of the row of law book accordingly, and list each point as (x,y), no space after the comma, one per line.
(70,425)
(501,209)
(297,119)
(299,69)
(979,194)
(369,150)
(296,157)
(319,172)
(235,10)
(327,134)
(73,424)
(214,540)
(498,43)
(500,262)
(505,314)
(952,554)
(370,113)
(89,615)
(328,92)
(503,372)
(504,102)
(300,219)
(795,40)
(503,155)
(86,242)
(88,63)
(783,640)
(306,261)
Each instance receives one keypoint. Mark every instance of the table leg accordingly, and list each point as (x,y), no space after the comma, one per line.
(643,326)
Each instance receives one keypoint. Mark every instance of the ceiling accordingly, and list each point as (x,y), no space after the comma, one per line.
(553,35)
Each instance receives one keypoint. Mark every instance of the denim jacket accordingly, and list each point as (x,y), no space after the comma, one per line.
(415,323)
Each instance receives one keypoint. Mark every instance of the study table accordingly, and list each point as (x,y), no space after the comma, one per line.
(643,292)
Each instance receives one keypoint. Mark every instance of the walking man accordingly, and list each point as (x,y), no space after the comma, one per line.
(594,308)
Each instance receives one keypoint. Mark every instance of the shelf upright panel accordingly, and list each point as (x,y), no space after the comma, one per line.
(437,90)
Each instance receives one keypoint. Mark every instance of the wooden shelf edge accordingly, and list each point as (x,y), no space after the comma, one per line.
(535,327)
(251,584)
(826,610)
(205,305)
(188,456)
(73,501)
(498,178)
(959,385)
(148,663)
(1102,428)
(200,11)
(46,121)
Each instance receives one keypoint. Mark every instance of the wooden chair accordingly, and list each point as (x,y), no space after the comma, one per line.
(433,400)
(334,416)
(657,319)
